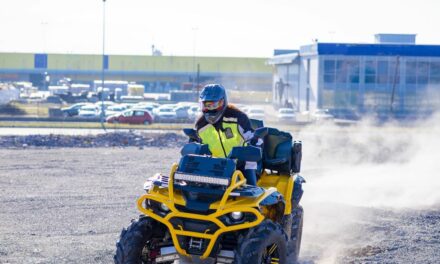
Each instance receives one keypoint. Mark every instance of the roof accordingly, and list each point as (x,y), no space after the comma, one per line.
(350,49)
(283,59)
(283,51)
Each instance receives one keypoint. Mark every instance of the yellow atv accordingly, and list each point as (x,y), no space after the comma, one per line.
(204,212)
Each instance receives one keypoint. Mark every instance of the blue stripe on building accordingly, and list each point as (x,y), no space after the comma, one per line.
(378,50)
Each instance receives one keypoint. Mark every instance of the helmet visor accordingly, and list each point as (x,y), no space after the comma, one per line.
(212,105)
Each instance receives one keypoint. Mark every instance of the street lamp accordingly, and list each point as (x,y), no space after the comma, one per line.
(44,28)
(194,56)
(103,66)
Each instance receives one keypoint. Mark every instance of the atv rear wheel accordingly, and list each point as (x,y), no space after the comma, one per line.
(131,246)
(294,243)
(265,243)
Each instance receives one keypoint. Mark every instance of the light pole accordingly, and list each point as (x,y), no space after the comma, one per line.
(44,29)
(194,56)
(103,66)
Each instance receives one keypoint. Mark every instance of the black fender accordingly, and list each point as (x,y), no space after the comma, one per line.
(275,202)
(297,190)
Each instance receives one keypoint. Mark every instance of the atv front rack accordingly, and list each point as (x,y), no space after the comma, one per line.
(221,210)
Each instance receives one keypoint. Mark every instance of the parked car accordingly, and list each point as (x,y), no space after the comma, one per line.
(149,108)
(194,112)
(182,112)
(107,104)
(89,111)
(286,114)
(72,110)
(132,116)
(129,105)
(115,109)
(165,113)
(256,113)
(345,114)
(321,115)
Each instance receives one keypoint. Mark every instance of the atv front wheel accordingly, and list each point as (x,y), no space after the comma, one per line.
(131,246)
(265,243)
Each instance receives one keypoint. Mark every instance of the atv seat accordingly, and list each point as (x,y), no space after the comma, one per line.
(277,151)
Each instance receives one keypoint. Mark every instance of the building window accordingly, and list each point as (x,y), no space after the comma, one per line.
(370,71)
(329,71)
(394,72)
(434,71)
(422,72)
(329,78)
(341,71)
(411,72)
(382,72)
(354,71)
(329,66)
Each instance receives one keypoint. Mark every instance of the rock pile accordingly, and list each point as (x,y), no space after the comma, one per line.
(125,139)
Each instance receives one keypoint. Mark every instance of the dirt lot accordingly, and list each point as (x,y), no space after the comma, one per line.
(69,205)
(370,198)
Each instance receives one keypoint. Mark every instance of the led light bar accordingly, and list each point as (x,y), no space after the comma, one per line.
(200,179)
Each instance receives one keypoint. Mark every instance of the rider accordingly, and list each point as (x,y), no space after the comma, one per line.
(223,126)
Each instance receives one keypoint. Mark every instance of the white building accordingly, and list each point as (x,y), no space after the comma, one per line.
(392,77)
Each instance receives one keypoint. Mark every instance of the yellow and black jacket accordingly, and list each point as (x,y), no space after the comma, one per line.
(234,129)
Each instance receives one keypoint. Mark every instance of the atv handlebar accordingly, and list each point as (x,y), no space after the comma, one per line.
(192,134)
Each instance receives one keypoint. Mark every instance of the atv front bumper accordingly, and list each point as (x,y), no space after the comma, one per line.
(210,235)
(205,239)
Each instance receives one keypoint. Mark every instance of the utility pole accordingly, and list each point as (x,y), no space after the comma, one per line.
(198,82)
(103,67)
(194,56)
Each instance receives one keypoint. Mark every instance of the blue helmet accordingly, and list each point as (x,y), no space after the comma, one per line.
(213,102)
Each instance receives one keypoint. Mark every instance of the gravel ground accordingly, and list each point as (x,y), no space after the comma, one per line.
(68,205)
(113,139)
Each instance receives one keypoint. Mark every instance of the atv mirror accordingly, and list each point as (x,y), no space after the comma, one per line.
(248,153)
(261,132)
(256,123)
(192,134)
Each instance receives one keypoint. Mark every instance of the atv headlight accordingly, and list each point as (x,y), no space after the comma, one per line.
(237,216)
(164,207)
(201,179)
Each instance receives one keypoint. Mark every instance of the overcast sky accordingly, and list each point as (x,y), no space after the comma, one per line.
(238,28)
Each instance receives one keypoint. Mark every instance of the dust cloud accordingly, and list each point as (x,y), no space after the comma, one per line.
(354,172)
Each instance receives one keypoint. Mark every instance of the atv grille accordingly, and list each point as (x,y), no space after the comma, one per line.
(193,225)
(184,209)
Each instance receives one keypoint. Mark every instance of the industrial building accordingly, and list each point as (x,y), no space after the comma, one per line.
(156,73)
(394,77)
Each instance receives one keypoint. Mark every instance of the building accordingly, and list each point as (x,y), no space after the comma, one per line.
(156,73)
(392,77)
